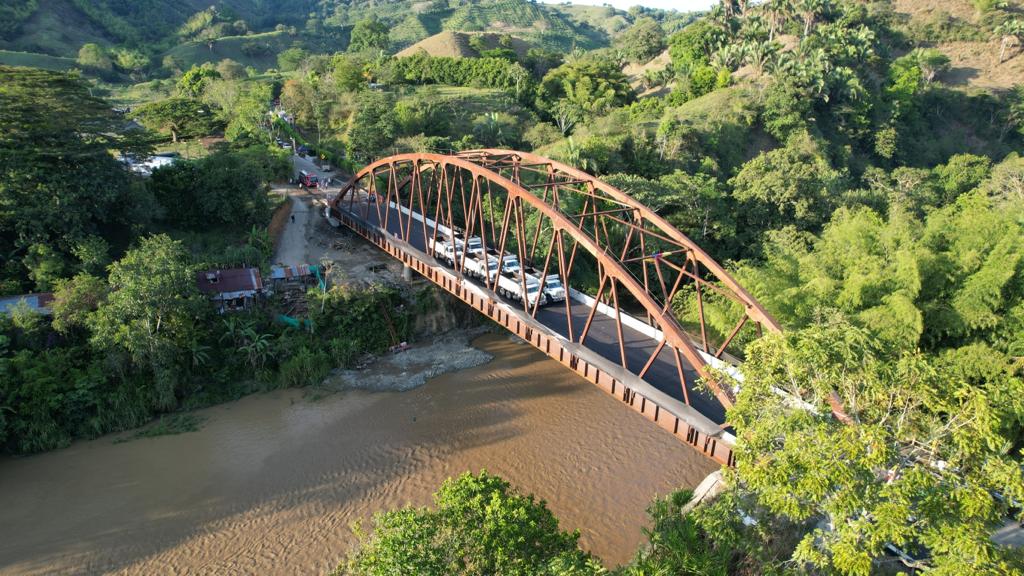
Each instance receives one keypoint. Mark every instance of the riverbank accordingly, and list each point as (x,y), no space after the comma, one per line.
(273,482)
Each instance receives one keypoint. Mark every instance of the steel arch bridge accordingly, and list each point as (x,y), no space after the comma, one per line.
(621,266)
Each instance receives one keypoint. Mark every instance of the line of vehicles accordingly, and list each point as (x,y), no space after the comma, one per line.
(510,280)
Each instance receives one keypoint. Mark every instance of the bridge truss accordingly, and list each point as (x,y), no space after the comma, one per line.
(624,265)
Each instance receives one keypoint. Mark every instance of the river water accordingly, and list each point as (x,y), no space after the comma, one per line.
(272,483)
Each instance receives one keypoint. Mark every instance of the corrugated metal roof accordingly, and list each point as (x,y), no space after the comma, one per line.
(38,302)
(230,280)
(285,272)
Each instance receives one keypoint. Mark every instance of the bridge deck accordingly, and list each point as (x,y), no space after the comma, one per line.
(602,337)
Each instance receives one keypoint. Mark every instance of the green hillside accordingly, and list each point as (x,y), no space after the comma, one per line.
(256,50)
(33,60)
(158,27)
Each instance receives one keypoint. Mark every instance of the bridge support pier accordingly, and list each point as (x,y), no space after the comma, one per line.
(407,273)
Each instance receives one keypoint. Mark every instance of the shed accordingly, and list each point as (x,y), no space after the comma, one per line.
(39,302)
(231,289)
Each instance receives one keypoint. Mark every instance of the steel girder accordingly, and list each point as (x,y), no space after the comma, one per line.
(514,201)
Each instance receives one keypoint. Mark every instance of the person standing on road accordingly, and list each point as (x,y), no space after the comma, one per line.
(293,217)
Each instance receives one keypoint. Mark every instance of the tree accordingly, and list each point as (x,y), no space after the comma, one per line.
(348,72)
(779,12)
(792,185)
(590,86)
(131,61)
(759,55)
(921,463)
(194,81)
(151,312)
(94,56)
(642,41)
(1010,31)
(290,59)
(230,69)
(226,189)
(45,265)
(59,182)
(497,130)
(74,300)
(693,45)
(374,124)
(250,117)
(679,544)
(369,34)
(478,526)
(311,99)
(810,11)
(177,117)
(932,63)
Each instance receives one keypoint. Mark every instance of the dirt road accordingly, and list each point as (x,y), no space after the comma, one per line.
(293,248)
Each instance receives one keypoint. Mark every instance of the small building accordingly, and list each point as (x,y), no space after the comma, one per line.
(301,273)
(231,289)
(38,302)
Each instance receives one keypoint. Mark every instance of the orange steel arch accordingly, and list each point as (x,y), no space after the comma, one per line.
(755,310)
(414,178)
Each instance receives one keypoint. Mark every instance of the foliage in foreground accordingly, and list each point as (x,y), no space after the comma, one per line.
(479,525)
(868,449)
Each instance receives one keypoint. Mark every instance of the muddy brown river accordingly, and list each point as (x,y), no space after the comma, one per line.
(272,484)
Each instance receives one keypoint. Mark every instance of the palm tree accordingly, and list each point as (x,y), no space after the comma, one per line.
(256,348)
(728,57)
(759,55)
(754,28)
(200,353)
(728,8)
(779,11)
(575,56)
(931,62)
(809,11)
(1008,32)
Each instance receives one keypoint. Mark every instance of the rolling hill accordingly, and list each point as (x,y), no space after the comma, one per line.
(61,27)
(957,29)
(457,44)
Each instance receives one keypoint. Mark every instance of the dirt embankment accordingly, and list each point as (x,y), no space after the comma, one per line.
(278,221)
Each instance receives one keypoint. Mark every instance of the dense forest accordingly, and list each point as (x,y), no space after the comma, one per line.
(857,164)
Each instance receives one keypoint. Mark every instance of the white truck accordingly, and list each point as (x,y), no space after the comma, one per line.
(445,250)
(475,246)
(510,264)
(475,266)
(511,286)
(553,288)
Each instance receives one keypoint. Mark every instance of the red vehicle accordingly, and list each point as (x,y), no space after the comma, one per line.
(307,180)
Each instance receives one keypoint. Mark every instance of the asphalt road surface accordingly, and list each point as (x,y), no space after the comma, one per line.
(602,337)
